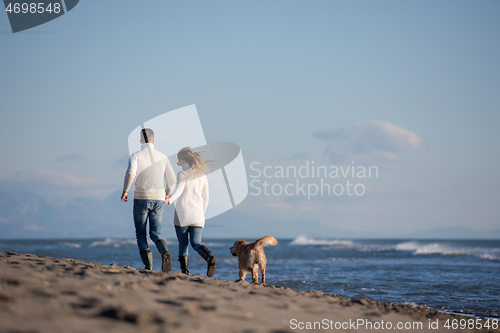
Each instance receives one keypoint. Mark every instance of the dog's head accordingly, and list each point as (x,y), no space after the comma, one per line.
(235,248)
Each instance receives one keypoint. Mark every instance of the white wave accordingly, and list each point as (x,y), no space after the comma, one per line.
(419,248)
(215,244)
(331,259)
(490,256)
(433,248)
(230,261)
(304,240)
(408,246)
(110,242)
(72,245)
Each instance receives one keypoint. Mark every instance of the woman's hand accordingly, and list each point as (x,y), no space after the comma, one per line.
(167,200)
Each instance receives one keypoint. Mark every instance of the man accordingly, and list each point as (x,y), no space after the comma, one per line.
(150,166)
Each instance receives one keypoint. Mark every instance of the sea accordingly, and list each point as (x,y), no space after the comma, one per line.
(457,276)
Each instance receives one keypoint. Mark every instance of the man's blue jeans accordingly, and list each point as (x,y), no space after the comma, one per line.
(144,209)
(182,236)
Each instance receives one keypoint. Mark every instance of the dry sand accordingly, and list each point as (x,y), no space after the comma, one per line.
(42,294)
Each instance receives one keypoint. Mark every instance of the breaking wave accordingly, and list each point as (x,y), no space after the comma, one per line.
(419,248)
(72,245)
(304,240)
(415,247)
(110,242)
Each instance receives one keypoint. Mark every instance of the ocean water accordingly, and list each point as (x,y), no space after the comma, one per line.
(460,276)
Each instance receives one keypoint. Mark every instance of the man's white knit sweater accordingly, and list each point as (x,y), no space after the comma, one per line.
(151,167)
(191,193)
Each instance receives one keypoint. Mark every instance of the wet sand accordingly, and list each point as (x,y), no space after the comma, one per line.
(43,294)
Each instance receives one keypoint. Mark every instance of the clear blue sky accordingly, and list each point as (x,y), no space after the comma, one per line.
(288,81)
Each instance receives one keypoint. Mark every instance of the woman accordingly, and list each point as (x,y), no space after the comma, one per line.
(191,194)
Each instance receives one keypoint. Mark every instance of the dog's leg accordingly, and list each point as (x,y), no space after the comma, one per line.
(263,272)
(242,276)
(255,274)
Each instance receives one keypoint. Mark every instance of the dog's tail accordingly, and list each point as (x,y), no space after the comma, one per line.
(266,240)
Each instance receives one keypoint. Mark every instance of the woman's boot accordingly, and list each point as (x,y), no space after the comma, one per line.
(206,254)
(147,259)
(184,264)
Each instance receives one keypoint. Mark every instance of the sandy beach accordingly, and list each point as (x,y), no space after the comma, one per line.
(43,294)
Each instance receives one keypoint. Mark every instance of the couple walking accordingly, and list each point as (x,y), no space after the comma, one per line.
(150,167)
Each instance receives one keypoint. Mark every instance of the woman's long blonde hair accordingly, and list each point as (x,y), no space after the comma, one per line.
(196,161)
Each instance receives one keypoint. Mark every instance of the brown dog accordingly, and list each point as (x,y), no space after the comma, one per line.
(251,257)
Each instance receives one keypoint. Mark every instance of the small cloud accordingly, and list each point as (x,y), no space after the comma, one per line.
(299,156)
(277,205)
(69,157)
(61,178)
(305,208)
(102,192)
(5,176)
(52,177)
(121,163)
(56,185)
(34,227)
(378,143)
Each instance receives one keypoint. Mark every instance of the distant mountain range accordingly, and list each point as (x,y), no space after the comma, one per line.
(26,215)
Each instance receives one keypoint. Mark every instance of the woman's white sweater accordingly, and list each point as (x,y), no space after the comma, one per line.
(191,193)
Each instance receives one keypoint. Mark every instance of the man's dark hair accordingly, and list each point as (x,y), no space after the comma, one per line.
(147,135)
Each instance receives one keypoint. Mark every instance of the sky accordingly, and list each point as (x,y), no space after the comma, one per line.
(410,87)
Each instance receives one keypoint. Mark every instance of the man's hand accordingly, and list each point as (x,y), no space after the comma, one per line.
(167,200)
(124,196)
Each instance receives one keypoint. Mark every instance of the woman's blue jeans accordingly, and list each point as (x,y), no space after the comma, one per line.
(144,210)
(194,236)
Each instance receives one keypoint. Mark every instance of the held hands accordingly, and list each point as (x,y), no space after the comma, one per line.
(167,200)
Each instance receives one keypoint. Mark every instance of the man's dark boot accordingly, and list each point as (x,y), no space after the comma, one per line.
(206,254)
(184,264)
(166,265)
(147,259)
